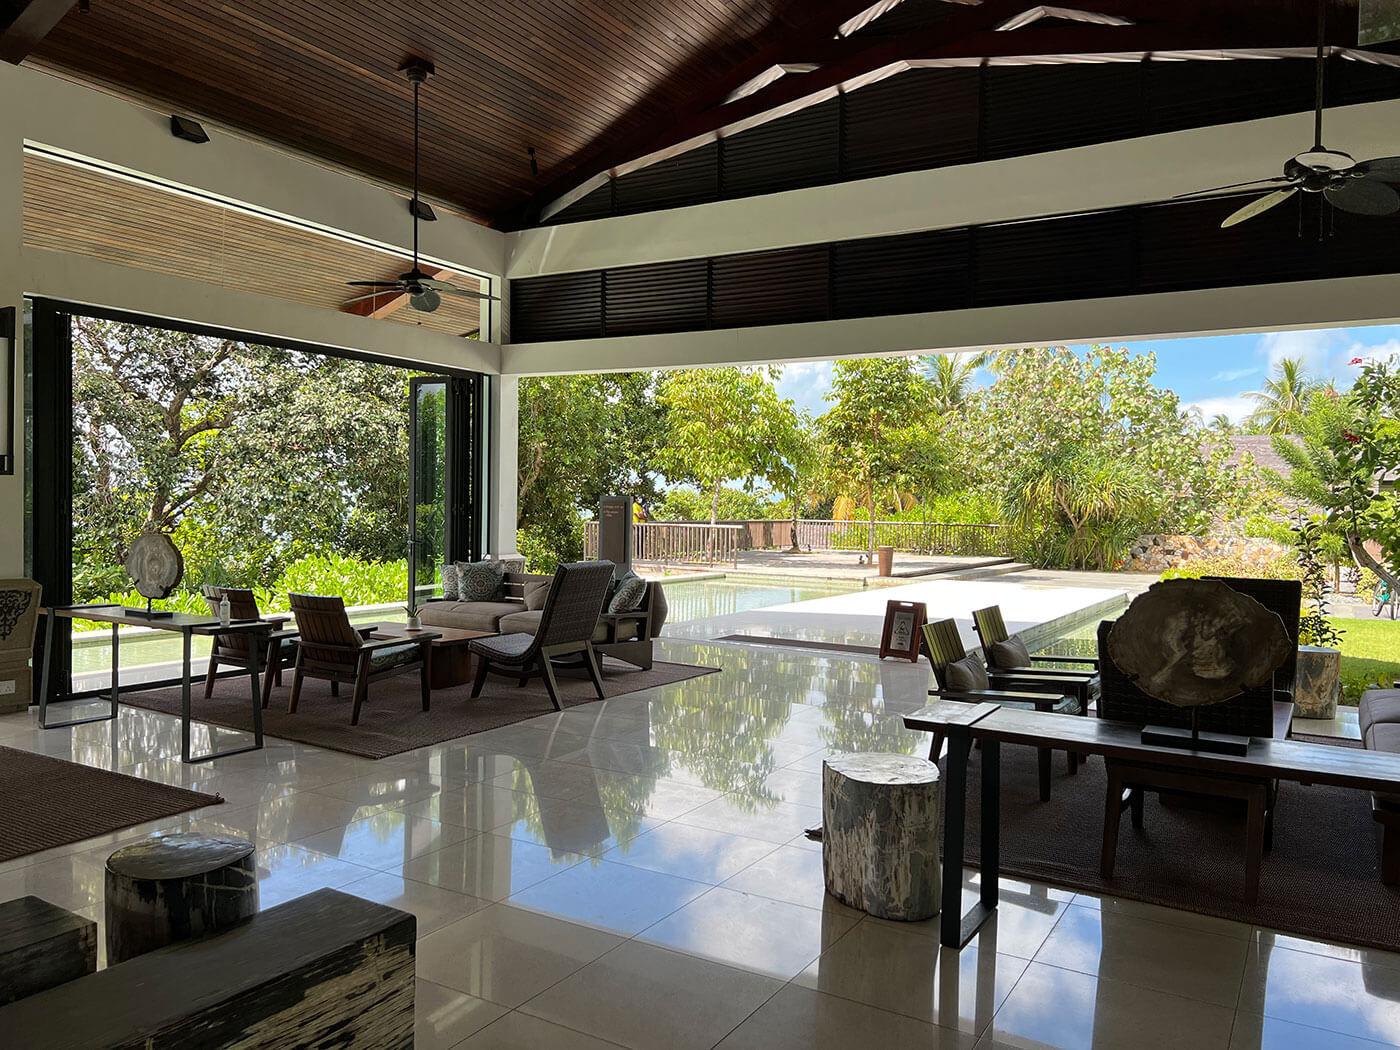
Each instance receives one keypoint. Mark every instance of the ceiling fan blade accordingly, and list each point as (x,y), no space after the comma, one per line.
(1258,206)
(373,284)
(1363,197)
(1385,168)
(1233,186)
(362,298)
(447,289)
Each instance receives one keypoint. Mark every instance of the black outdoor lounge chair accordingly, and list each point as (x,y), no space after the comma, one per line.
(566,628)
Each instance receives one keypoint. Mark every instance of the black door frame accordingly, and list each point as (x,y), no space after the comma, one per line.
(49,426)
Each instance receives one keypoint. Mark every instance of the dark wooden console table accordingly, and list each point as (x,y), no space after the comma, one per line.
(992,725)
(183,624)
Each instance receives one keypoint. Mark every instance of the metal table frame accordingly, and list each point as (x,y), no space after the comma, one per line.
(187,627)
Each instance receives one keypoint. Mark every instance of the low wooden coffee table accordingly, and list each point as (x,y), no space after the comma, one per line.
(452,659)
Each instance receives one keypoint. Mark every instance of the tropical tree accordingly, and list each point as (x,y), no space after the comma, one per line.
(874,403)
(1221,424)
(1278,408)
(721,423)
(796,463)
(950,379)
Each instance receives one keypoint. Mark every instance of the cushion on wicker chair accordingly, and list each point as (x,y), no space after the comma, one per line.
(1009,652)
(503,648)
(536,593)
(966,675)
(394,656)
(629,594)
(480,581)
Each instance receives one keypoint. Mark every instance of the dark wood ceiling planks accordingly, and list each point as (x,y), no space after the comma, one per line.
(88,212)
(321,77)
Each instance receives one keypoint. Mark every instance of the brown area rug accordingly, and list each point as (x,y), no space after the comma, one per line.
(392,720)
(1321,879)
(49,802)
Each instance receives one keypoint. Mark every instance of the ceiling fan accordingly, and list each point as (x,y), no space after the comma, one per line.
(1343,182)
(424,291)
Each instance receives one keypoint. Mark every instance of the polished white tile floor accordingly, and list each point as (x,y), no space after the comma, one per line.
(634,873)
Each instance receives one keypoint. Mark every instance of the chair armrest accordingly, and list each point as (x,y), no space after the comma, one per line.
(367,630)
(1092,661)
(277,620)
(1040,700)
(385,643)
(1044,674)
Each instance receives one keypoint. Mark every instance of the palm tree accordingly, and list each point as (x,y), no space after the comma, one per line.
(1221,422)
(950,378)
(1278,408)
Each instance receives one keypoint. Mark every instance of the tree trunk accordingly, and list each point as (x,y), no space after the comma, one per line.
(796,510)
(1363,558)
(870,506)
(714,517)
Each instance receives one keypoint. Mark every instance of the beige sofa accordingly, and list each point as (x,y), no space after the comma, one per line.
(626,636)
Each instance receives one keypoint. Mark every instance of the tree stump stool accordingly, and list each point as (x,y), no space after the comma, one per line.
(174,888)
(880,834)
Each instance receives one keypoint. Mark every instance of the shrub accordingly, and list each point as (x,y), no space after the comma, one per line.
(543,552)
(357,582)
(1283,567)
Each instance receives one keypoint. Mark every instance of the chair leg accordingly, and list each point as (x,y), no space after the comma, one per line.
(209,678)
(1254,844)
(274,660)
(361,687)
(524,677)
(1044,755)
(425,675)
(296,686)
(1112,814)
(335,687)
(483,665)
(550,684)
(935,747)
(1072,762)
(1390,855)
(1136,801)
(594,671)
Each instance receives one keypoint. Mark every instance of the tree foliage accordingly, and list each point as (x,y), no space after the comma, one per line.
(1279,406)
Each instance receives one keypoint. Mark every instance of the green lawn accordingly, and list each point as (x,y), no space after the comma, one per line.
(1370,654)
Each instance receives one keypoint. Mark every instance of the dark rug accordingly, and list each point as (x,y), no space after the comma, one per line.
(1321,879)
(392,720)
(49,802)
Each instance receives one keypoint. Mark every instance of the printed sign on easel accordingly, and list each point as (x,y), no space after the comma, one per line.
(903,632)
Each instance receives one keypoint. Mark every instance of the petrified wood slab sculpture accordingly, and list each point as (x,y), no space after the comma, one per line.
(42,946)
(1197,642)
(175,887)
(880,834)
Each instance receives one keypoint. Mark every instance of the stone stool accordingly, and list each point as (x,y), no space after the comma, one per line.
(175,887)
(880,834)
(1317,683)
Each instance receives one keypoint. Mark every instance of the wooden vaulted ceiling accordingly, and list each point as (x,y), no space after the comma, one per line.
(73,208)
(590,85)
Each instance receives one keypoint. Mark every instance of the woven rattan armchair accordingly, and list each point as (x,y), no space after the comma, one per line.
(333,650)
(238,649)
(943,645)
(569,618)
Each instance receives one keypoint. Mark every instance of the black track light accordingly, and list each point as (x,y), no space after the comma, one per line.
(187,129)
(421,209)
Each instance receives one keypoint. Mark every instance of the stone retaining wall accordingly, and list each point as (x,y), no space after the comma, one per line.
(1159,553)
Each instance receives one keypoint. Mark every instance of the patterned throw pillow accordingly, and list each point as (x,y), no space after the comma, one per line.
(479,581)
(449,582)
(966,675)
(1010,652)
(628,595)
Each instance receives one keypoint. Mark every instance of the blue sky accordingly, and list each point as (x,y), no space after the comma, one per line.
(1211,372)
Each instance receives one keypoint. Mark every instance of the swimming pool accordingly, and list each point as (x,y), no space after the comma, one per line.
(701,599)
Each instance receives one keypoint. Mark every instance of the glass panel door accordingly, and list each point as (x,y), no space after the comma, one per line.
(428,484)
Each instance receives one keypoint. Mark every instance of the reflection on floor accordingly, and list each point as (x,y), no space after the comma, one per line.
(634,873)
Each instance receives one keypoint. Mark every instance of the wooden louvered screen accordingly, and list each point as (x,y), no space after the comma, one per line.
(1154,248)
(930,118)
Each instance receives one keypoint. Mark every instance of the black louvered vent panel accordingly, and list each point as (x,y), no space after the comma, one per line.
(902,275)
(911,14)
(800,150)
(690,178)
(560,306)
(1183,246)
(663,297)
(1081,257)
(1192,94)
(781,287)
(924,118)
(596,205)
(1351,82)
(1035,109)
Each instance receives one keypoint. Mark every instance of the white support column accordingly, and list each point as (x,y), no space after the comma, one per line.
(503,444)
(12,294)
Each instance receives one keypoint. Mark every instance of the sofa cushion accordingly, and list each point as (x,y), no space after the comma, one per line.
(629,594)
(480,581)
(528,622)
(449,582)
(1009,652)
(467,616)
(536,593)
(1378,706)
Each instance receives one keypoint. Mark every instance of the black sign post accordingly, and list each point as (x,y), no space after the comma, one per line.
(615,532)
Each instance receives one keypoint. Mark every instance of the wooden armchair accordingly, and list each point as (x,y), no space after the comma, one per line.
(333,650)
(567,623)
(960,676)
(1007,659)
(239,649)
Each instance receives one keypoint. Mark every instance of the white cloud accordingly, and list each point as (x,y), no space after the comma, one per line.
(805,383)
(1236,406)
(1233,374)
(1313,347)
(1374,352)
